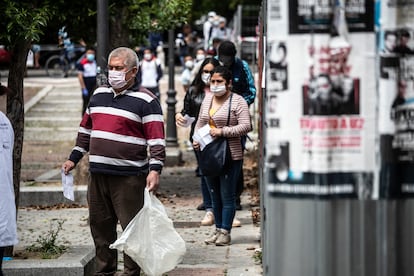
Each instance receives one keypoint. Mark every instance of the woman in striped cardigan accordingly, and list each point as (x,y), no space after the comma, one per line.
(214,111)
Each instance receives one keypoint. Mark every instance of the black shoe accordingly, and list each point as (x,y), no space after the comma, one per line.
(201,207)
(238,204)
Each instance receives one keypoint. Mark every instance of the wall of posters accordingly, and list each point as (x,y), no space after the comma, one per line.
(321,100)
(396,98)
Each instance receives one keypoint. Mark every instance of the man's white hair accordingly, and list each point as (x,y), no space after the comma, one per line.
(130,57)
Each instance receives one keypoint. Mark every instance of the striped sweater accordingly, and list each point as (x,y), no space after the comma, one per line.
(116,130)
(239,123)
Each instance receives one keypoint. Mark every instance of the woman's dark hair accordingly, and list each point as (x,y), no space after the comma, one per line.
(224,72)
(197,83)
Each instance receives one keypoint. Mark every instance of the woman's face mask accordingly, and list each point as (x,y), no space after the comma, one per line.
(218,90)
(205,77)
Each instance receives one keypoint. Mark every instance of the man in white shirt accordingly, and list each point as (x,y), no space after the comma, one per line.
(150,72)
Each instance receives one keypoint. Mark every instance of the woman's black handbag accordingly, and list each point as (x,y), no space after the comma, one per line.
(215,158)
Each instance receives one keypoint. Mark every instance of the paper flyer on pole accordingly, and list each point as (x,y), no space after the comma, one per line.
(321,100)
(396,99)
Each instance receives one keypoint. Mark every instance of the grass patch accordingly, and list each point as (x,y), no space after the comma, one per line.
(46,246)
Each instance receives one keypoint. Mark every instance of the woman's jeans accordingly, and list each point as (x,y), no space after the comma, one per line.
(223,195)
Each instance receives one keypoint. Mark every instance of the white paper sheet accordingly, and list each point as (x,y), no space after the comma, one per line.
(67,184)
(189,120)
(202,136)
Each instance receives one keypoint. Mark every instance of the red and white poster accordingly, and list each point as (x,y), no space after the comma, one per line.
(321,99)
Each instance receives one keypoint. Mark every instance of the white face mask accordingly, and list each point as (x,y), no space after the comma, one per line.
(218,90)
(117,79)
(205,77)
(189,64)
(148,56)
(200,57)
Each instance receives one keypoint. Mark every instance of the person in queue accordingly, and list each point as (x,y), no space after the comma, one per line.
(192,102)
(123,131)
(214,111)
(242,84)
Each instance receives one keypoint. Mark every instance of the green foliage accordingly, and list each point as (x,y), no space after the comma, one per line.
(23,20)
(47,245)
(140,17)
(158,15)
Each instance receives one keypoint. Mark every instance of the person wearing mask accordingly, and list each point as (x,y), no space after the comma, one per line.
(87,76)
(200,55)
(221,30)
(150,72)
(242,84)
(208,28)
(191,107)
(217,107)
(8,225)
(123,131)
(186,74)
(181,48)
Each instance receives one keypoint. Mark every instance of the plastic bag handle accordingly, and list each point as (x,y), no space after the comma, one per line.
(147,198)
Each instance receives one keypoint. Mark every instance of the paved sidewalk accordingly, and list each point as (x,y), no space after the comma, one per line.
(180,193)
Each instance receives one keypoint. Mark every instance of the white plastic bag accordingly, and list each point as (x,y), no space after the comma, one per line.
(151,240)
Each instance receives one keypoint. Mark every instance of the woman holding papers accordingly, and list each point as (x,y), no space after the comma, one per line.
(188,116)
(214,112)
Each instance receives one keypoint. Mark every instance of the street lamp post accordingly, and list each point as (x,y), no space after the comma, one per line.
(171,138)
(102,33)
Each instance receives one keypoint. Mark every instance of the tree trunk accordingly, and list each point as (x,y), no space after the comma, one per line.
(15,112)
(119,33)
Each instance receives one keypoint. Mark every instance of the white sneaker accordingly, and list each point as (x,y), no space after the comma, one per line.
(236,223)
(208,219)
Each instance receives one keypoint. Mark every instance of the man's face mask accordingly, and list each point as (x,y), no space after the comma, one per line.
(226,60)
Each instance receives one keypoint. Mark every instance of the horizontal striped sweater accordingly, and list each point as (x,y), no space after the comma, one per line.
(117,130)
(239,123)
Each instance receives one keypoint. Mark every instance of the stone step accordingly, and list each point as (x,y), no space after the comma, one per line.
(76,261)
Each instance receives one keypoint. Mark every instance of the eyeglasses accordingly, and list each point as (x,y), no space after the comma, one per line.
(207,72)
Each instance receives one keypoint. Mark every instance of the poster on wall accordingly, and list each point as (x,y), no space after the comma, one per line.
(396,99)
(321,121)
(308,15)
